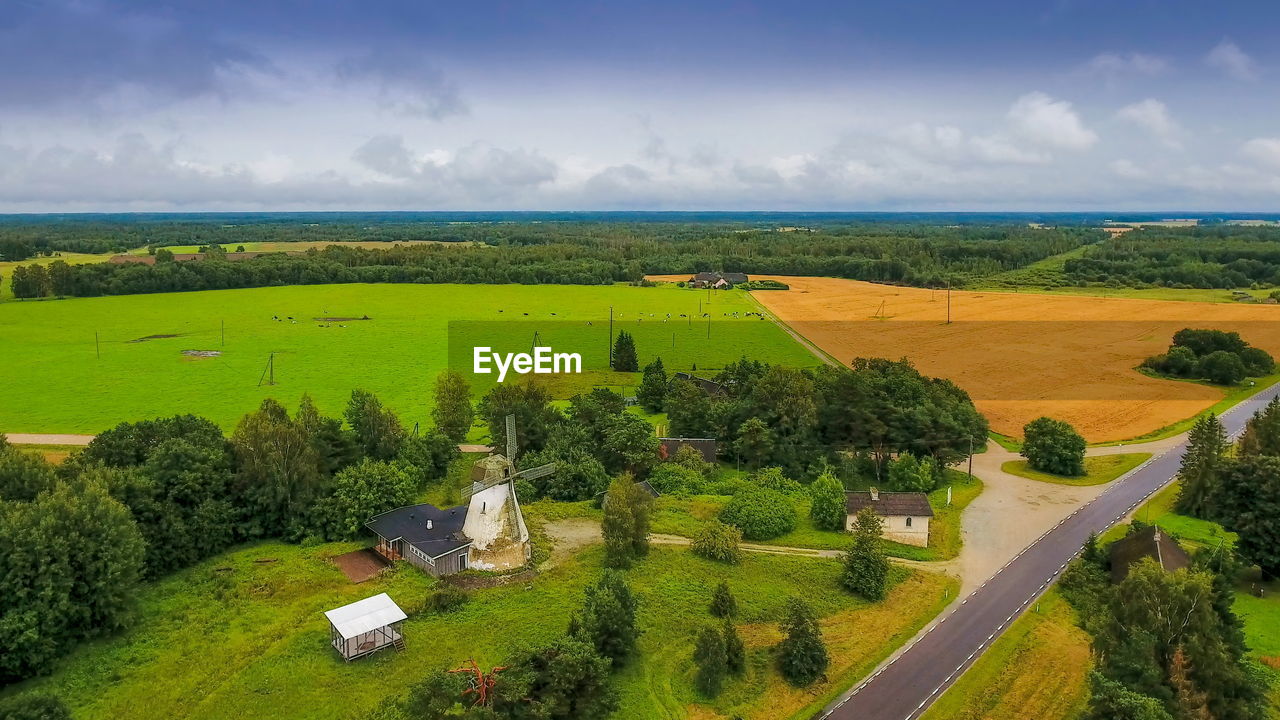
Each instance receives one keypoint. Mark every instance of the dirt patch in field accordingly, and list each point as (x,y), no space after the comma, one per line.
(156,337)
(360,565)
(202,353)
(1022,355)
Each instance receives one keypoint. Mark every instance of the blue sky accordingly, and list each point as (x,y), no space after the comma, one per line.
(419,105)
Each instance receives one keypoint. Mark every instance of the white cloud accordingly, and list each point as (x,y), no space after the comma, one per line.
(1128,170)
(1041,119)
(1230,59)
(1153,116)
(1263,150)
(1112,64)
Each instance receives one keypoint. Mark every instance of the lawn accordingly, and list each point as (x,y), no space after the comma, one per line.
(685,516)
(56,382)
(1037,669)
(242,635)
(1097,470)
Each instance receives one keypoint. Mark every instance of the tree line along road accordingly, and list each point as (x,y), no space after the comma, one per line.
(906,686)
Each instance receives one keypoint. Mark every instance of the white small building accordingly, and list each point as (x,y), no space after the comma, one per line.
(906,514)
(366,626)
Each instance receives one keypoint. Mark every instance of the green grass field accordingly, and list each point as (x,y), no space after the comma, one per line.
(56,383)
(1097,470)
(240,637)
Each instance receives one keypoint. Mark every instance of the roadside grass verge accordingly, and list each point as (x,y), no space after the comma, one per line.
(1037,669)
(1097,470)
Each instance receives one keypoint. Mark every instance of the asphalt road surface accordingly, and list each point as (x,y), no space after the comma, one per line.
(903,689)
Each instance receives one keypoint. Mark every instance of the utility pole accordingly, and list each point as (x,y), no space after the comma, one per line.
(97,348)
(970,457)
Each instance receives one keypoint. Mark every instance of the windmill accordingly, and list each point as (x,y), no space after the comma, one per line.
(497,468)
(494,522)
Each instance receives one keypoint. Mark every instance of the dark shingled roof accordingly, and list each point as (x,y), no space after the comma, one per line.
(644,484)
(705,446)
(410,523)
(735,278)
(890,503)
(710,387)
(1150,542)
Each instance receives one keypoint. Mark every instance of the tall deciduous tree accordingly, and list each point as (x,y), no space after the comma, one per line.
(278,471)
(626,522)
(453,413)
(377,429)
(360,492)
(710,656)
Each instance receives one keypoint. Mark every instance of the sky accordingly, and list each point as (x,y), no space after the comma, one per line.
(196,105)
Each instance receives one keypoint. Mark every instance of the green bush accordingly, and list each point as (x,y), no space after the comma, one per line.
(760,513)
(828,504)
(33,707)
(672,479)
(446,599)
(1053,446)
(717,541)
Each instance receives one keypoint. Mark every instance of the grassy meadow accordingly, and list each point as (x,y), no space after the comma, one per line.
(1038,668)
(242,635)
(56,382)
(1098,470)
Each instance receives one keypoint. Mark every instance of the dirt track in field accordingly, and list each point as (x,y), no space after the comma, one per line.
(1022,355)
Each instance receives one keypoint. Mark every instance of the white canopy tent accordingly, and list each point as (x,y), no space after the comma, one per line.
(366,626)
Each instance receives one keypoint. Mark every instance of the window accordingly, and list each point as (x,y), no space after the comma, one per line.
(462,562)
(908,522)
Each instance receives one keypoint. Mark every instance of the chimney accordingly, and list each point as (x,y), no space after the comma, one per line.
(429,523)
(875,495)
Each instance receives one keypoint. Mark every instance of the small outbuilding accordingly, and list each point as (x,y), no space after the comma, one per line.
(1150,542)
(366,626)
(906,514)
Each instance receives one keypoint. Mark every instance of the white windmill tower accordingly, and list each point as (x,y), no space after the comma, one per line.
(494,522)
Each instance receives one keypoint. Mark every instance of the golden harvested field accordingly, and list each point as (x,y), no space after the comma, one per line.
(1024,355)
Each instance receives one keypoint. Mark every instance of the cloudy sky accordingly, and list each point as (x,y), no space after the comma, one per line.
(110,105)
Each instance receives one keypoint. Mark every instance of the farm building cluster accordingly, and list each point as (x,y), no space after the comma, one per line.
(717,281)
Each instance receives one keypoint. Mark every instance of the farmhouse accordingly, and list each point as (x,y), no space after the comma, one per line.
(719,281)
(668,447)
(906,514)
(1150,542)
(429,538)
(366,626)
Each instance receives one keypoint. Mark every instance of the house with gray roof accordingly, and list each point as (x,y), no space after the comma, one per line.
(1147,543)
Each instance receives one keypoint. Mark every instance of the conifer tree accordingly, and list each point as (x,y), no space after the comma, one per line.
(802,656)
(712,661)
(1206,447)
(653,387)
(866,569)
(723,603)
(624,353)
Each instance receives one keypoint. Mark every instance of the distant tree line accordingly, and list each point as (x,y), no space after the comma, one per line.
(147,498)
(1219,357)
(565,253)
(1198,257)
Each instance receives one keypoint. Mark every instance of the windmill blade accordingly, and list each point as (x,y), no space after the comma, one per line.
(534,473)
(511,438)
(480,486)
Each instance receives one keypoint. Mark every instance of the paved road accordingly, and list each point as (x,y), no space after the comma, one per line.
(904,688)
